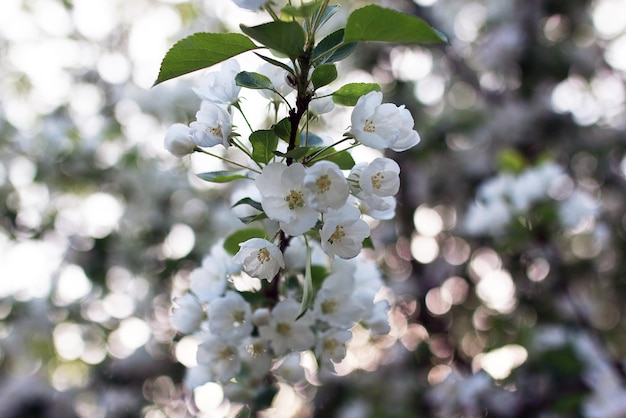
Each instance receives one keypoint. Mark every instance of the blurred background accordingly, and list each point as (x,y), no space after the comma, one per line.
(502,310)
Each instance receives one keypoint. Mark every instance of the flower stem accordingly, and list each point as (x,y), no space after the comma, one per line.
(198,149)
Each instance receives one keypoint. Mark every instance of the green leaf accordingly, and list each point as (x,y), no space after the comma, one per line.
(250,202)
(308,292)
(285,37)
(264,143)
(276,63)
(246,220)
(329,42)
(326,14)
(231,243)
(348,94)
(323,75)
(253,80)
(201,50)
(283,129)
(221,176)
(379,24)
(368,243)
(343,159)
(306,9)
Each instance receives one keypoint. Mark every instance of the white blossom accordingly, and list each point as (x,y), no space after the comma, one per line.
(334,302)
(343,232)
(209,280)
(326,186)
(283,197)
(260,258)
(178,140)
(278,77)
(576,208)
(219,86)
(213,125)
(290,368)
(331,347)
(230,316)
(221,356)
(380,178)
(284,332)
(187,314)
(380,126)
(322,103)
(254,352)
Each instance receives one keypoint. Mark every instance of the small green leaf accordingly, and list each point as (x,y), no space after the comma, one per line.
(323,75)
(329,42)
(379,24)
(253,80)
(285,37)
(368,243)
(276,63)
(308,292)
(221,176)
(326,14)
(348,94)
(306,9)
(246,220)
(231,243)
(201,50)
(264,143)
(283,129)
(250,202)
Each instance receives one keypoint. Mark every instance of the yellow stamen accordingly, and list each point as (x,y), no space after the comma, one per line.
(294,199)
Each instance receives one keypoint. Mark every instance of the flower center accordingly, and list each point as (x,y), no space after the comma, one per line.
(377,180)
(263,255)
(329,306)
(294,199)
(369,126)
(283,329)
(239,317)
(330,344)
(323,183)
(226,354)
(337,235)
(217,131)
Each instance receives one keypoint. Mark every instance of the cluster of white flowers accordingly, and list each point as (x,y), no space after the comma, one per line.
(316,211)
(505,197)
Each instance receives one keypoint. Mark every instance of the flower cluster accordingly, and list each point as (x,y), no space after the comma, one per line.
(502,199)
(294,279)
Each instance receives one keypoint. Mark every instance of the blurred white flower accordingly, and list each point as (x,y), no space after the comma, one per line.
(331,347)
(335,303)
(213,125)
(260,258)
(187,315)
(322,103)
(283,198)
(576,208)
(178,140)
(380,126)
(290,368)
(208,281)
(230,316)
(284,333)
(326,186)
(278,77)
(221,356)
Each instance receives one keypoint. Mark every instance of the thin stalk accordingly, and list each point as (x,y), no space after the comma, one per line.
(197,149)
